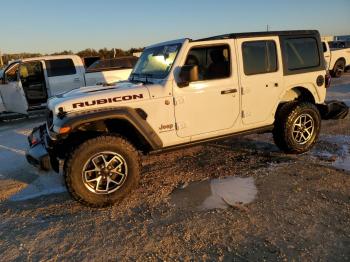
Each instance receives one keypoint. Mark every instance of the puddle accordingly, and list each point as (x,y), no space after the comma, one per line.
(217,193)
(44,185)
(343,160)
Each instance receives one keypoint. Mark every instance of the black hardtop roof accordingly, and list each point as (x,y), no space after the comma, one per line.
(257,34)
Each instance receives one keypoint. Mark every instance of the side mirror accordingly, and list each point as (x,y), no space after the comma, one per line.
(188,74)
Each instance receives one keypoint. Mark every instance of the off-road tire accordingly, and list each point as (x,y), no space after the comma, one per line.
(284,123)
(339,69)
(73,170)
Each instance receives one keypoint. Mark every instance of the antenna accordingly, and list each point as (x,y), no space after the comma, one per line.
(1,62)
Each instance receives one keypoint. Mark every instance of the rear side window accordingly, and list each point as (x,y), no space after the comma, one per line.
(324,46)
(60,67)
(259,57)
(301,53)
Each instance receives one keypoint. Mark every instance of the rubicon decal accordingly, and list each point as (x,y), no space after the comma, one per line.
(107,100)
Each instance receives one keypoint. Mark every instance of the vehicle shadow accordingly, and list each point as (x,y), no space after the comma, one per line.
(146,216)
(201,162)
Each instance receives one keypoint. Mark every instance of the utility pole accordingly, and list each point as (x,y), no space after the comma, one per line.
(267,28)
(1,61)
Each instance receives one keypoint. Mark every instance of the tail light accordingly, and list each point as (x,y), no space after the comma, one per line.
(328,80)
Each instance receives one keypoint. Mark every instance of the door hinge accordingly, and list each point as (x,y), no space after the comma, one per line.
(245,90)
(178,100)
(180,125)
(246,114)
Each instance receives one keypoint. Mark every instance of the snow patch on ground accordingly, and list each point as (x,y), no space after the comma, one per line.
(340,159)
(343,161)
(47,184)
(336,139)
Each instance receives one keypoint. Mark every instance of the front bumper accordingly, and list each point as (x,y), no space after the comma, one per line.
(39,153)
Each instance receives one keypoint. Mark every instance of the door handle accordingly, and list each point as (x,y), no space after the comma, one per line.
(76,79)
(229,91)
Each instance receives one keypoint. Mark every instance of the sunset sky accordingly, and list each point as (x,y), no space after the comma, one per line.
(50,26)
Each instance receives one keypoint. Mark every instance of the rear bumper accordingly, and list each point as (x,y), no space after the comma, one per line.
(333,110)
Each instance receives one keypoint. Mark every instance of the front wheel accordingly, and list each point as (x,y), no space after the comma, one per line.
(102,171)
(297,127)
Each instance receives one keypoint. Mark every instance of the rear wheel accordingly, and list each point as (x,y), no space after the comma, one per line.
(102,171)
(297,127)
(338,69)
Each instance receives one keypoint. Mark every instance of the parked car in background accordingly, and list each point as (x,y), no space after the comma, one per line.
(110,70)
(25,85)
(339,44)
(337,59)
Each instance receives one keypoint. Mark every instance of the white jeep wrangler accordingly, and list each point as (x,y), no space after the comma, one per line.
(179,93)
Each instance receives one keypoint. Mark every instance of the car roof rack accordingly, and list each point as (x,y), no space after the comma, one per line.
(257,34)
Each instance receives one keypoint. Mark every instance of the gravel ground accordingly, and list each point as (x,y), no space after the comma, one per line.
(301,210)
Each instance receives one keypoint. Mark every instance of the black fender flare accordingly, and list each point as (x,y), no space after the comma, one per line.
(136,117)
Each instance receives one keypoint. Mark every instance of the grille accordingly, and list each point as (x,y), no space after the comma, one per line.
(49,118)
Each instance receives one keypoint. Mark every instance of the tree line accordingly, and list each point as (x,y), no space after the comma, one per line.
(103,53)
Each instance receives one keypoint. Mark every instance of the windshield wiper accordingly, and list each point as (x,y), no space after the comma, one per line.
(146,76)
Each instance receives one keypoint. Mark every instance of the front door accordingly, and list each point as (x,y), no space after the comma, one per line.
(261,78)
(2,106)
(212,103)
(12,93)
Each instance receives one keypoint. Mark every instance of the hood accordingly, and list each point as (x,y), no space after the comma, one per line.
(95,97)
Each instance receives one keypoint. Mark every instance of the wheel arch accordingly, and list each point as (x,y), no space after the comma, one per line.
(128,122)
(297,93)
(300,93)
(340,59)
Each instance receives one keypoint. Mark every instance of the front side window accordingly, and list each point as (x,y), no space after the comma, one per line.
(60,67)
(11,73)
(30,70)
(213,61)
(302,53)
(156,62)
(259,57)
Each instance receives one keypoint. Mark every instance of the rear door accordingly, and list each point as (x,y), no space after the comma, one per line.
(63,76)
(261,78)
(13,96)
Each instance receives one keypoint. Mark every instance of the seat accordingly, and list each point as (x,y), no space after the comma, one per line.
(219,68)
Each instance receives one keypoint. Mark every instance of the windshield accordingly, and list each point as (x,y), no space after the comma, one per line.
(115,63)
(156,62)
